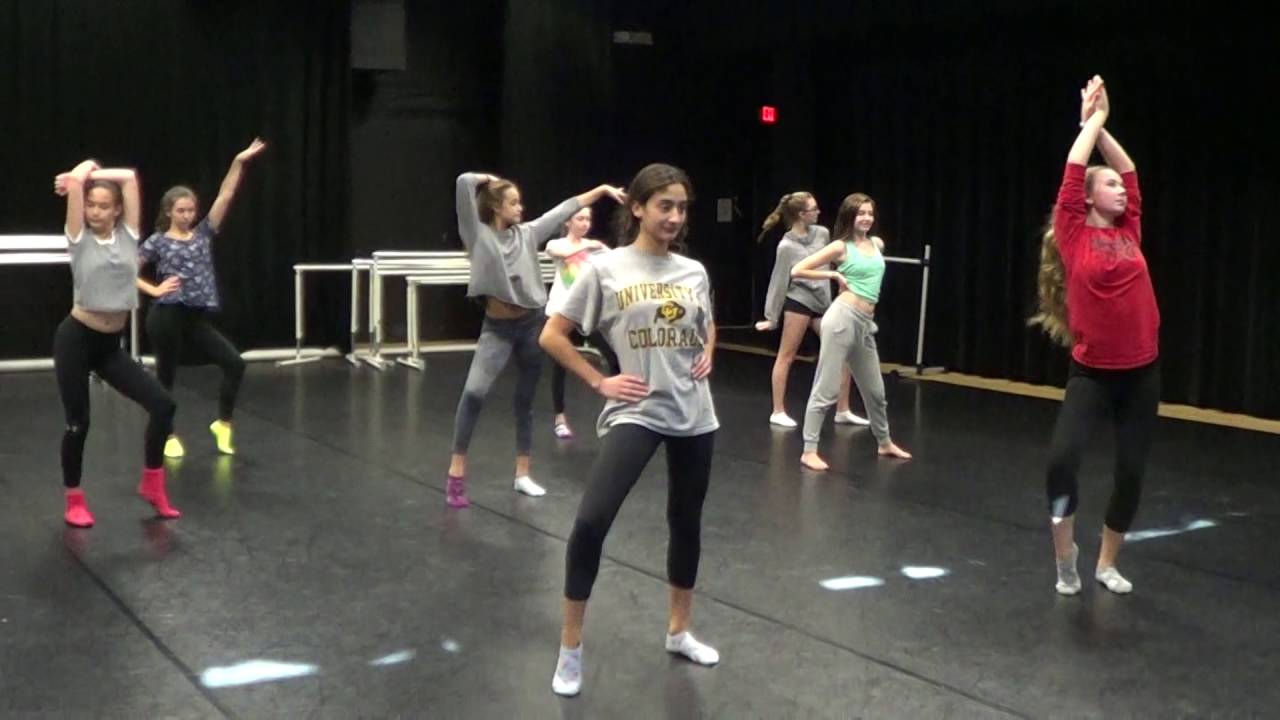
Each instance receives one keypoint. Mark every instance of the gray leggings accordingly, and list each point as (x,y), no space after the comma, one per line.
(848,336)
(498,340)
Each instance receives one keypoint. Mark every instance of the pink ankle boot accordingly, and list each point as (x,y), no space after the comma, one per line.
(152,490)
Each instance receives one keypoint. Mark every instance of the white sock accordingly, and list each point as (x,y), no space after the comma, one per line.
(782,420)
(848,418)
(1068,578)
(685,644)
(568,678)
(1114,581)
(525,484)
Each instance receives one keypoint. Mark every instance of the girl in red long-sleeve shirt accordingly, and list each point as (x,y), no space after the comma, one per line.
(1096,297)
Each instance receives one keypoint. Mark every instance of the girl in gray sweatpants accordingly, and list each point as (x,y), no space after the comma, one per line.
(848,330)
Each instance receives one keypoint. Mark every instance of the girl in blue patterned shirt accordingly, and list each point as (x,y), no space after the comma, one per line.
(188,292)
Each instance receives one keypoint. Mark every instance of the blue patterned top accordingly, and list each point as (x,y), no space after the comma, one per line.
(191,261)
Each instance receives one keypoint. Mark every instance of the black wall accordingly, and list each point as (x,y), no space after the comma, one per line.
(175,90)
(412,132)
(955,117)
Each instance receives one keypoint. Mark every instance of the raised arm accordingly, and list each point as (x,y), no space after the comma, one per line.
(71,184)
(554,218)
(468,211)
(591,196)
(127,178)
(1093,115)
(228,190)
(1112,153)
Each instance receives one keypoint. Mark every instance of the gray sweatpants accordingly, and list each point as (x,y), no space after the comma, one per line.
(848,336)
(499,339)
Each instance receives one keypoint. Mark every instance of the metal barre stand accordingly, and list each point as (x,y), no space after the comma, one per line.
(919,370)
(392,263)
(418,268)
(452,271)
(299,301)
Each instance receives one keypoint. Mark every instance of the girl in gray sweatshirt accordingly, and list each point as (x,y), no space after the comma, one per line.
(796,304)
(506,278)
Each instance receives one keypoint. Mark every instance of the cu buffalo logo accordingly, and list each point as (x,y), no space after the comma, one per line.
(671,311)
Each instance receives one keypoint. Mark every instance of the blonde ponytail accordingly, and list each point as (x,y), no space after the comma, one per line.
(1051,292)
(789,209)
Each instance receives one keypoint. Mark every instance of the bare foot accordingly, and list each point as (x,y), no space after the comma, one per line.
(892,450)
(813,462)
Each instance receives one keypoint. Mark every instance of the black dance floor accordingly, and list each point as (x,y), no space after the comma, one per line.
(319,573)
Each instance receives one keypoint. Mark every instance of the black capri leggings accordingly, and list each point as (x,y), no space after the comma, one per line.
(172,327)
(558,373)
(624,453)
(79,350)
(1129,397)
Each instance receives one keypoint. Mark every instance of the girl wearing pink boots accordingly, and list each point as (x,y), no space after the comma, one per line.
(103,210)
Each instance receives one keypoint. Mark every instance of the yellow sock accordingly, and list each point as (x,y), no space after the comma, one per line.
(173,447)
(222,434)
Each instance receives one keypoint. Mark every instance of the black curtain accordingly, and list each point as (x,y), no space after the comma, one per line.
(412,132)
(556,97)
(175,89)
(960,132)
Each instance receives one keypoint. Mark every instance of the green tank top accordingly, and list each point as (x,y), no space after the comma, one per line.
(864,273)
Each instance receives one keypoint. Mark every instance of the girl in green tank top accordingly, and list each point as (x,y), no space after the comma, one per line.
(848,331)
(863,271)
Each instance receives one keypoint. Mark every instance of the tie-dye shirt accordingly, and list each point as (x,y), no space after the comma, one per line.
(569,269)
(191,261)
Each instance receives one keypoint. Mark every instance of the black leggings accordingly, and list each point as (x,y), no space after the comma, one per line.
(79,350)
(1129,397)
(624,453)
(558,373)
(171,327)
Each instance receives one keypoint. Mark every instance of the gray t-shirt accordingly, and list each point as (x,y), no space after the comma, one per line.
(813,294)
(655,311)
(505,265)
(104,273)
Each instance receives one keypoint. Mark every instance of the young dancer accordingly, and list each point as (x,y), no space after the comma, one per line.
(1096,297)
(571,253)
(506,276)
(188,292)
(103,209)
(797,304)
(848,327)
(654,307)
